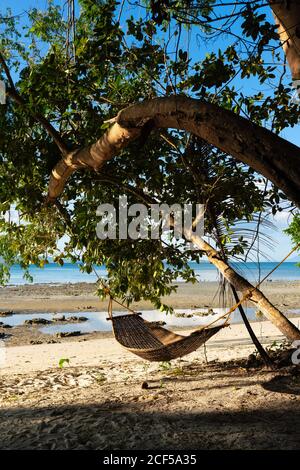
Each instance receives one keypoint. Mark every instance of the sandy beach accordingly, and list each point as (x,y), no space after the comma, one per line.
(81,296)
(96,401)
(230,343)
(219,397)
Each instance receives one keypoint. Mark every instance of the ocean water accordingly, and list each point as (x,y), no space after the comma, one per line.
(70,273)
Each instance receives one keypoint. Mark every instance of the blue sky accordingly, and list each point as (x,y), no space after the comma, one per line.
(282,243)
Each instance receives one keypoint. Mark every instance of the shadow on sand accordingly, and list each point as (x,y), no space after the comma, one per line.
(116,426)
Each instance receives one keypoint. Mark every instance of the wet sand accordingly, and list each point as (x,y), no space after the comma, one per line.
(81,297)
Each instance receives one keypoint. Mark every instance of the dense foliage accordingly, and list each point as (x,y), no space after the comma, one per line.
(120,54)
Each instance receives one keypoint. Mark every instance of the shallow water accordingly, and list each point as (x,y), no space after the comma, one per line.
(97,321)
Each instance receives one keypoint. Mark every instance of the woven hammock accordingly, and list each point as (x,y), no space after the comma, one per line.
(154,343)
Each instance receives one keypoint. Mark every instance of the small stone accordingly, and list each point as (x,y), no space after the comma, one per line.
(59,318)
(6,314)
(77,319)
(67,334)
(37,321)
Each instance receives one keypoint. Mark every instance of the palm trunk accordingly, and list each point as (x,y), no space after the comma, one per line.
(263,353)
(247,290)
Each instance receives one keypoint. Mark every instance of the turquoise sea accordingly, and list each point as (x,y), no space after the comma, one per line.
(70,273)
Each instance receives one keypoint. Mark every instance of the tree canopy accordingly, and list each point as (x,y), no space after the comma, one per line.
(66,79)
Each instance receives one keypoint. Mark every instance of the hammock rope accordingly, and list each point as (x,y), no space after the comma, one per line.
(248,294)
(155,343)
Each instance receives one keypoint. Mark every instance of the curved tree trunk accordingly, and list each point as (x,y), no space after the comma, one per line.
(268,154)
(287,17)
(242,285)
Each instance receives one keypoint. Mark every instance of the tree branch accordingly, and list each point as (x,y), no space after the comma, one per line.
(268,154)
(13,93)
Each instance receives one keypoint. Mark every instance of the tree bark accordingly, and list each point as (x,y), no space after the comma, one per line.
(270,155)
(263,353)
(93,157)
(247,290)
(287,17)
(210,210)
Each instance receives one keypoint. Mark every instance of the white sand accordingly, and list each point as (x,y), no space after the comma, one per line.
(232,342)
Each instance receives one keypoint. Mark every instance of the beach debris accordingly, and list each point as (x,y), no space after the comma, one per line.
(59,318)
(145,385)
(72,319)
(77,319)
(37,321)
(165,365)
(100,378)
(280,353)
(4,325)
(85,380)
(67,334)
(210,311)
(39,341)
(158,323)
(183,315)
